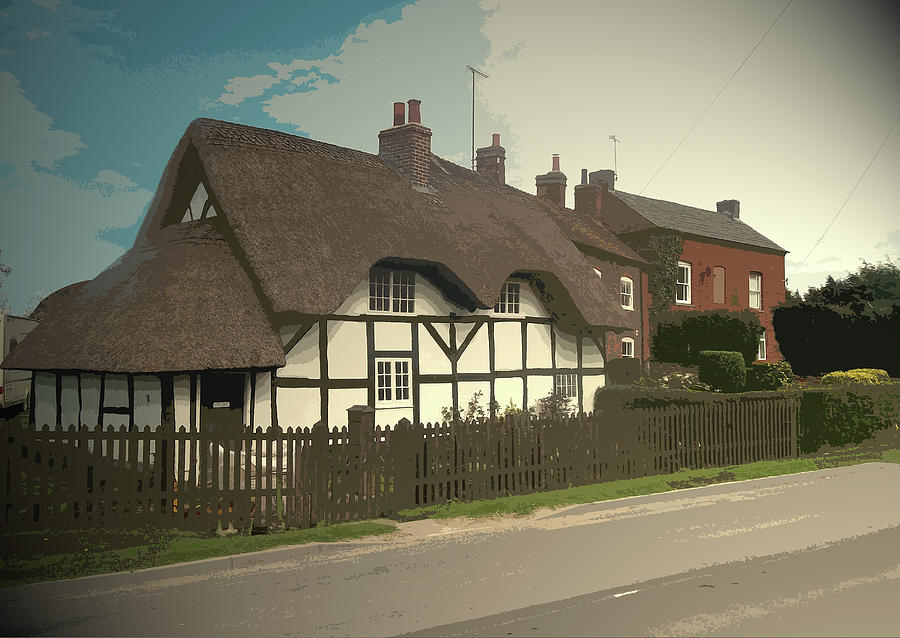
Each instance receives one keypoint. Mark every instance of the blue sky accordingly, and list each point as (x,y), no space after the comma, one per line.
(95,95)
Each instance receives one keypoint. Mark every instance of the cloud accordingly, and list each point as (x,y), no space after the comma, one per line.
(36,33)
(892,245)
(46,4)
(238,89)
(50,222)
(6,52)
(27,133)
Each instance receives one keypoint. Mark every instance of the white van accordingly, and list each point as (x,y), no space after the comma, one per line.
(15,385)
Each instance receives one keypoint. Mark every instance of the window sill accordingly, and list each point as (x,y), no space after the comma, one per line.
(392,406)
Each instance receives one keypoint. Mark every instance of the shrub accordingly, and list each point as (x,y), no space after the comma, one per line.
(868,376)
(723,370)
(768,376)
(837,416)
(679,337)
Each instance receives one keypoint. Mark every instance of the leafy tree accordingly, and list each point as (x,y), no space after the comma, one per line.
(553,406)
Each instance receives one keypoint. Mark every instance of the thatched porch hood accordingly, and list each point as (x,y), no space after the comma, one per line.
(299,223)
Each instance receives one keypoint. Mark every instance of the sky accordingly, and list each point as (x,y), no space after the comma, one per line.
(94,96)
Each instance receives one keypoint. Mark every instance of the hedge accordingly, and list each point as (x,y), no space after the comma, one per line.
(870,376)
(846,414)
(679,337)
(723,370)
(768,376)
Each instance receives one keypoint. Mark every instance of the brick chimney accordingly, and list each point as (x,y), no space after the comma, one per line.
(730,207)
(589,194)
(490,161)
(606,176)
(552,186)
(406,145)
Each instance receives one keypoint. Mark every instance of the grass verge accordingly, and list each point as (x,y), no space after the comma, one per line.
(99,552)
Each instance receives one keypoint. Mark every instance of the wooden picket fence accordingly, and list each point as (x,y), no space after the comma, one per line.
(59,477)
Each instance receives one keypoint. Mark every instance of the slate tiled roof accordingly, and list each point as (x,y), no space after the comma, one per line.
(696,221)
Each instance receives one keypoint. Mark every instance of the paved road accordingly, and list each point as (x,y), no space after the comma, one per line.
(432,574)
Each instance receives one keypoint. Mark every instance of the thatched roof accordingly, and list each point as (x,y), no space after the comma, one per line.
(182,303)
(299,225)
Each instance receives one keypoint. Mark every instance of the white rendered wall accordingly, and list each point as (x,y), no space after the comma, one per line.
(538,354)
(476,356)
(182,388)
(147,401)
(342,398)
(90,400)
(538,388)
(591,357)
(432,359)
(44,398)
(433,397)
(68,400)
(347,350)
(262,411)
(303,359)
(388,417)
(589,385)
(393,335)
(529,304)
(508,345)
(566,350)
(115,391)
(298,407)
(506,390)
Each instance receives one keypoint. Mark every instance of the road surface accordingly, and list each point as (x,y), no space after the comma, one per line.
(559,571)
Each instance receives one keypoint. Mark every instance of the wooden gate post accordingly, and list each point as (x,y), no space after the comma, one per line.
(361,426)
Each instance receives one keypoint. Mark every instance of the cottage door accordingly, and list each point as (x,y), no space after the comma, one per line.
(222,402)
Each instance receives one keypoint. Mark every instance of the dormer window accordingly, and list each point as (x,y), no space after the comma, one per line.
(392,290)
(200,207)
(508,304)
(626,293)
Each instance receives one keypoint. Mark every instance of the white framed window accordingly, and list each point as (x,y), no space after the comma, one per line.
(683,283)
(566,385)
(756,291)
(626,293)
(392,290)
(627,347)
(761,353)
(393,382)
(508,304)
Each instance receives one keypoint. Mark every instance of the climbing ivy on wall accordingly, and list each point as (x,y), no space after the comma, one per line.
(662,248)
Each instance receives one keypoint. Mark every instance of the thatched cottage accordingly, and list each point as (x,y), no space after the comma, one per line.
(278,280)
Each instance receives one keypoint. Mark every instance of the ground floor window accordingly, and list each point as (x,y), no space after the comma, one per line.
(392,382)
(761,354)
(627,347)
(566,385)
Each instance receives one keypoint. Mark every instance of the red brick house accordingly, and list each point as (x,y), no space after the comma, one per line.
(724,263)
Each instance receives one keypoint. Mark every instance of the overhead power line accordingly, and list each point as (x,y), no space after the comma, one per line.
(722,90)
(852,190)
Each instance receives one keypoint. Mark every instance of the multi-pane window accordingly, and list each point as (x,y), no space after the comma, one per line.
(392,290)
(392,381)
(627,347)
(566,385)
(683,283)
(626,293)
(761,353)
(755,290)
(509,299)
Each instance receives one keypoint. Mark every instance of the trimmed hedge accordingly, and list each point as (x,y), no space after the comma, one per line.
(869,376)
(680,336)
(723,370)
(843,415)
(768,376)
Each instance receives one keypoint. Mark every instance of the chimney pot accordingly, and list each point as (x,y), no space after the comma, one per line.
(552,186)
(399,113)
(605,176)
(495,140)
(415,116)
(584,176)
(556,162)
(490,161)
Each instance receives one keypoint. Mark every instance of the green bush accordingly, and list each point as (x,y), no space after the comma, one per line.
(837,416)
(768,376)
(723,370)
(869,376)
(679,337)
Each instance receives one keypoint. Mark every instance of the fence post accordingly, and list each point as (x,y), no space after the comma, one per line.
(361,426)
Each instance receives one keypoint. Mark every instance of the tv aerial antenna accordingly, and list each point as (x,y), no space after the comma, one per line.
(484,75)
(615,159)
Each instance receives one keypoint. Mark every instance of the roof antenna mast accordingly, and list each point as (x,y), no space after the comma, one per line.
(484,75)
(615,160)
